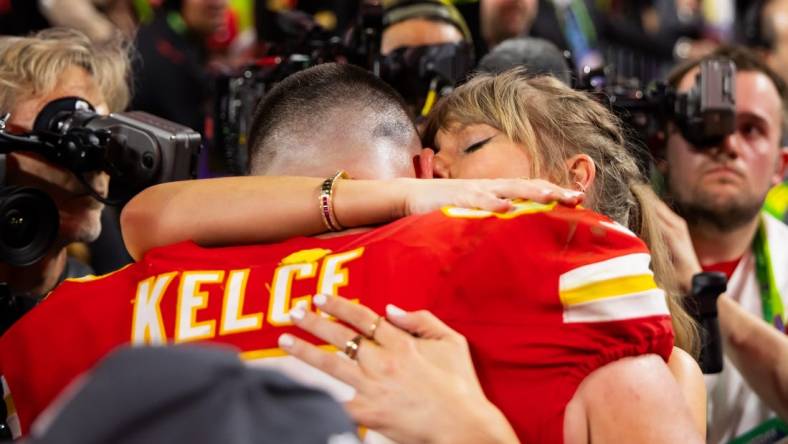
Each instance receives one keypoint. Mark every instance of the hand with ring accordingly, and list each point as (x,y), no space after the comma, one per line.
(413,375)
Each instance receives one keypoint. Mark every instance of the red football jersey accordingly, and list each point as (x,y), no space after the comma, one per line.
(544,294)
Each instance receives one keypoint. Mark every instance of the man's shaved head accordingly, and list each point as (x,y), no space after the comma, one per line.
(332,117)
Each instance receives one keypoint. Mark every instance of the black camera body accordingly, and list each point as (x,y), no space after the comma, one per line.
(415,70)
(296,42)
(136,149)
(705,114)
(702,305)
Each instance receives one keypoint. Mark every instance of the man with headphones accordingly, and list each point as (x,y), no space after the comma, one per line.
(35,70)
(424,33)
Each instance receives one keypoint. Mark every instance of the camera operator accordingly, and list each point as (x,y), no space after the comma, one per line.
(427,47)
(718,192)
(421,22)
(35,70)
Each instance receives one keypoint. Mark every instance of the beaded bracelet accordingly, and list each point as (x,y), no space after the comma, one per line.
(327,203)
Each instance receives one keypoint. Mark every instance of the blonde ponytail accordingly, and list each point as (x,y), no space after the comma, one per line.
(644,224)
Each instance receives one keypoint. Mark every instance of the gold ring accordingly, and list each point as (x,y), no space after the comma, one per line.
(351,346)
(374,328)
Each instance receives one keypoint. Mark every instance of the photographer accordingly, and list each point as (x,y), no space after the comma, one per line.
(427,49)
(35,70)
(718,192)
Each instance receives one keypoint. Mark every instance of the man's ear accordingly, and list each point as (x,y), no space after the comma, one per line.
(782,166)
(426,161)
(582,172)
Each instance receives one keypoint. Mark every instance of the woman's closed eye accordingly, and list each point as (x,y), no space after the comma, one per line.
(476,146)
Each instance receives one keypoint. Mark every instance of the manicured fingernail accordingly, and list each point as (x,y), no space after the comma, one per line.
(319,299)
(394,311)
(297,313)
(546,191)
(285,341)
(572,194)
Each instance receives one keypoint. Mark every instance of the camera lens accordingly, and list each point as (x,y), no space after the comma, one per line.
(28,225)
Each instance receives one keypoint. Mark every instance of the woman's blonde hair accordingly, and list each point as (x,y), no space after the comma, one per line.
(554,122)
(31,66)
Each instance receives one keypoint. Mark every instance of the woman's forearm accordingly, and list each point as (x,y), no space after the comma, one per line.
(259,209)
(242,210)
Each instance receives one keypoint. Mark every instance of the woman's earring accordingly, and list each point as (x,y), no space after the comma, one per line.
(580,185)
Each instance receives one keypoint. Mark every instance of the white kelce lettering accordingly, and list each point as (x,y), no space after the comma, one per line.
(190,300)
(233,321)
(333,275)
(280,303)
(147,326)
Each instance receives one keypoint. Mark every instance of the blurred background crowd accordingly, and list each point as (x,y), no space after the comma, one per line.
(206,63)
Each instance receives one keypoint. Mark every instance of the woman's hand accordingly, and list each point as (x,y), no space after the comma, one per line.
(414,378)
(425,195)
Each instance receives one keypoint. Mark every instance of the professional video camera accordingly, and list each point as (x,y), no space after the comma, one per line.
(297,42)
(705,114)
(135,148)
(423,73)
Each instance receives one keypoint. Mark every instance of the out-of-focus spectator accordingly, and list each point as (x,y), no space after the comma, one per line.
(20,17)
(170,76)
(98,19)
(639,39)
(34,71)
(537,56)
(504,19)
(764,28)
(718,193)
(421,22)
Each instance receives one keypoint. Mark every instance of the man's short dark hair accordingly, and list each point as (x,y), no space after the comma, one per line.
(296,108)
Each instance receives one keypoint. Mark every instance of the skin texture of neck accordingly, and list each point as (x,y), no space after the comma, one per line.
(714,246)
(37,279)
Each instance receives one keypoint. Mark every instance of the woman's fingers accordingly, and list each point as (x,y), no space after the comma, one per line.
(363,319)
(542,191)
(330,362)
(488,201)
(420,323)
(349,341)
(329,331)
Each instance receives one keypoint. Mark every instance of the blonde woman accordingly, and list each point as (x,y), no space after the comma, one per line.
(494,126)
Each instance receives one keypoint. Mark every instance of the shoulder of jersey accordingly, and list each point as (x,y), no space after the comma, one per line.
(553,210)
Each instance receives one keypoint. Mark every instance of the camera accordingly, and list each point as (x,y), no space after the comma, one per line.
(135,148)
(295,42)
(705,114)
(417,72)
(420,74)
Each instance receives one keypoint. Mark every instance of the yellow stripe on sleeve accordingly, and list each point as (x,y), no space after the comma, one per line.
(607,289)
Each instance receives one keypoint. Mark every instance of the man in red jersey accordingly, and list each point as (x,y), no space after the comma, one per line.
(535,339)
(538,324)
